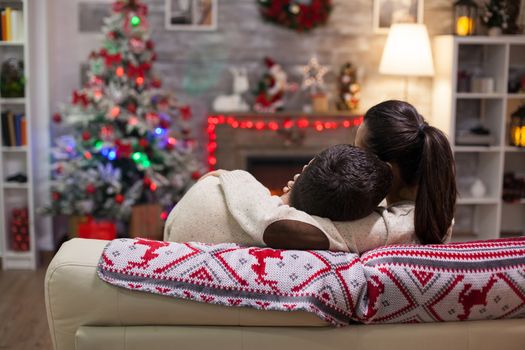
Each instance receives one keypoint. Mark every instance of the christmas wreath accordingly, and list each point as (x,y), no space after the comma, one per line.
(300,15)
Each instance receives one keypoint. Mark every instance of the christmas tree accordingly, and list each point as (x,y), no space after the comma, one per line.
(127,142)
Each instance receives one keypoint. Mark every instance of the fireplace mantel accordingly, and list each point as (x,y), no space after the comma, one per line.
(235,137)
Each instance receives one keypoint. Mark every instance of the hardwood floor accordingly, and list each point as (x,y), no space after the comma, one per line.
(23,322)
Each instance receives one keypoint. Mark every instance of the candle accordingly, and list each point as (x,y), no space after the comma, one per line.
(464,26)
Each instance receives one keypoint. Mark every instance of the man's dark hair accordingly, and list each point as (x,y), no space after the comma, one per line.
(342,183)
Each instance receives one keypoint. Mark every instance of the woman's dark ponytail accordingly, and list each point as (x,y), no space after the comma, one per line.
(436,194)
(399,135)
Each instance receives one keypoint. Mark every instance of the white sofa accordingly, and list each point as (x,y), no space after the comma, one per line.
(86,313)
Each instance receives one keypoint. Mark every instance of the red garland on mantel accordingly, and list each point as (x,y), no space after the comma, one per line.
(294,14)
(270,125)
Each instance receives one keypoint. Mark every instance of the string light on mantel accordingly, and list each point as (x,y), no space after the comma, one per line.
(270,125)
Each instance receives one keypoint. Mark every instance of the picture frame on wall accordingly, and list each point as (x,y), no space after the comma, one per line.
(91,16)
(387,12)
(191,14)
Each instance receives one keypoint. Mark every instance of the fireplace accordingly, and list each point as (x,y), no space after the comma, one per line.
(274,147)
(274,172)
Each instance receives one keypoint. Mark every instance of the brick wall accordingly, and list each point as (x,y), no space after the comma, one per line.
(194,64)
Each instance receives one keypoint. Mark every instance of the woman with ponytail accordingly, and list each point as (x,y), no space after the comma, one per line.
(422,163)
(421,201)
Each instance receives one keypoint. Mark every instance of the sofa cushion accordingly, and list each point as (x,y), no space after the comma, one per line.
(403,283)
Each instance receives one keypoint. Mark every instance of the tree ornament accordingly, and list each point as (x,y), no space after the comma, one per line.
(119,198)
(119,71)
(156,83)
(185,112)
(143,143)
(196,175)
(86,136)
(90,188)
(56,196)
(135,21)
(298,15)
(137,46)
(131,107)
(80,98)
(57,118)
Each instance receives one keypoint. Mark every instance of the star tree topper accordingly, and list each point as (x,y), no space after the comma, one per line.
(313,75)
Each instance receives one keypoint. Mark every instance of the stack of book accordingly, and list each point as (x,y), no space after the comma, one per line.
(14,129)
(12,28)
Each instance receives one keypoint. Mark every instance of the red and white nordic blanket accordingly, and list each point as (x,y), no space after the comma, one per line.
(395,284)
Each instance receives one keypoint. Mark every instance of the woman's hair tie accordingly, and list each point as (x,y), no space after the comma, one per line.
(421,128)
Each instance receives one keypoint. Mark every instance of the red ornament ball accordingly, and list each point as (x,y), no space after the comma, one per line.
(196,175)
(119,198)
(143,143)
(56,196)
(90,189)
(57,118)
(132,107)
(150,45)
(86,136)
(164,124)
(156,83)
(147,181)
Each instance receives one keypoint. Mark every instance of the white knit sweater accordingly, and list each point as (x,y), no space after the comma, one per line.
(235,207)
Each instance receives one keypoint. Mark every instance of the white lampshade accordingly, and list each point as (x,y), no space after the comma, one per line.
(407,51)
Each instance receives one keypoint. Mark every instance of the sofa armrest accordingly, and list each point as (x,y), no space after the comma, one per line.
(75,297)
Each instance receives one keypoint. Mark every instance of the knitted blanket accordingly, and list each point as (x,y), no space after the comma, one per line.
(394,284)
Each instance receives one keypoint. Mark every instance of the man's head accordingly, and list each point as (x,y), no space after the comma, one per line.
(342,183)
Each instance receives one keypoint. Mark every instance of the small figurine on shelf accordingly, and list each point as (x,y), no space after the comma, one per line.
(12,81)
(495,17)
(349,88)
(235,102)
(19,229)
(313,80)
(269,95)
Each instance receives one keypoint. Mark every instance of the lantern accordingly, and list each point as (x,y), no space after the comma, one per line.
(465,15)
(517,127)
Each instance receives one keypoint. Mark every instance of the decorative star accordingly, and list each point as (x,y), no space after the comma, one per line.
(313,75)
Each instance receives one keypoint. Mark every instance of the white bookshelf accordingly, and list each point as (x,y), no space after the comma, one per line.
(17,159)
(487,217)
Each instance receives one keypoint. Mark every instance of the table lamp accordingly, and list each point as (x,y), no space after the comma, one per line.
(407,52)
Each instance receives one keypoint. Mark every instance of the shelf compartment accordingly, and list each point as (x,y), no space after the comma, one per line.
(475,222)
(13,163)
(484,61)
(485,166)
(516,70)
(471,113)
(512,219)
